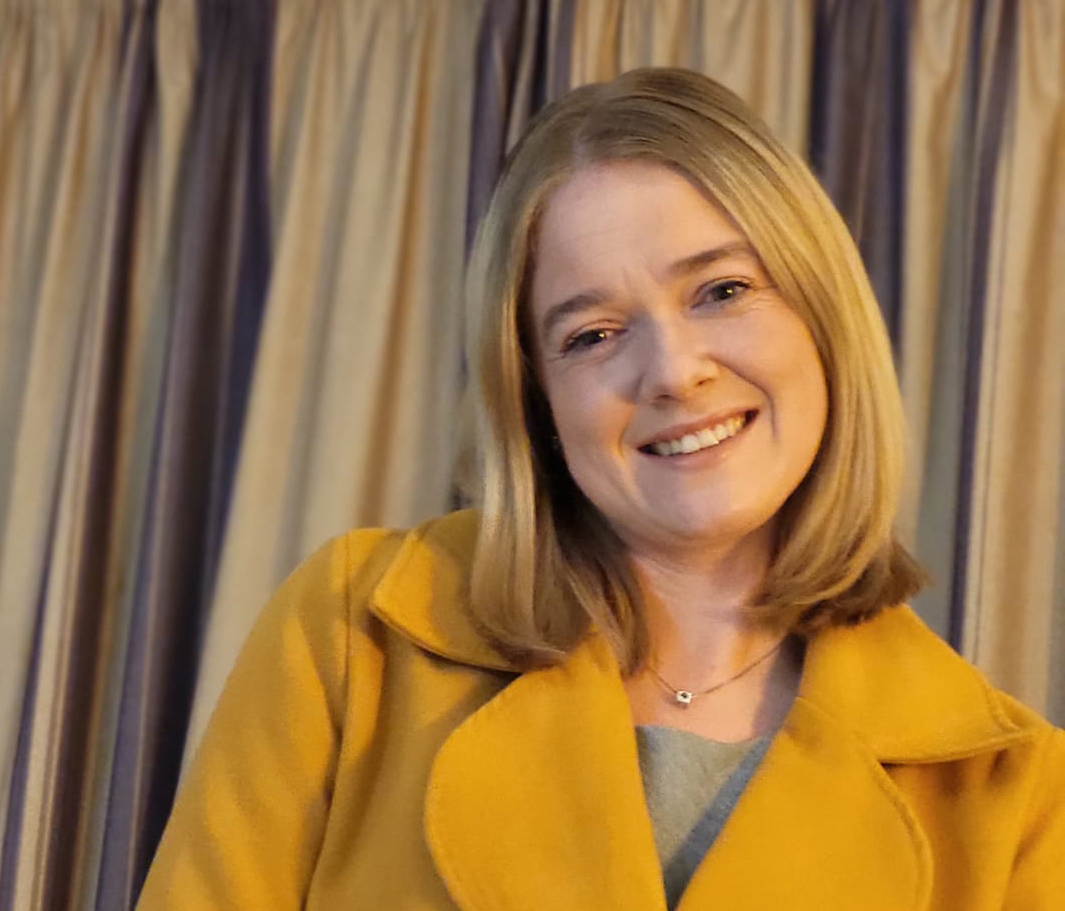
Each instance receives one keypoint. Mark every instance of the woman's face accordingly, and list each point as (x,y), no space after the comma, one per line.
(688,396)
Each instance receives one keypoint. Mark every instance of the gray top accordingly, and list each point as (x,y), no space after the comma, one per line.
(691,785)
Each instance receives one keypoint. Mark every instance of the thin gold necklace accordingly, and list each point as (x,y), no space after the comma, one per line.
(684,698)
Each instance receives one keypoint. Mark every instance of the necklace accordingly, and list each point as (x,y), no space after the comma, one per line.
(684,698)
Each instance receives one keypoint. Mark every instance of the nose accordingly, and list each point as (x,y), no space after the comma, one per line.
(676,361)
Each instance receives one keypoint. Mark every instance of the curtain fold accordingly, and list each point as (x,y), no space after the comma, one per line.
(761,49)
(356,382)
(1014,543)
(522,62)
(899,73)
(930,352)
(61,72)
(114,286)
(221,267)
(858,136)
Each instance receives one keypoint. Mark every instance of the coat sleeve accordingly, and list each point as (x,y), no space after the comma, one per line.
(1038,881)
(249,818)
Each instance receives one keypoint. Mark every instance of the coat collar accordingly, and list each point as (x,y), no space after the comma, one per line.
(536,801)
(891,680)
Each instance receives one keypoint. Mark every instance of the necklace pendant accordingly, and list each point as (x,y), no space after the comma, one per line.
(684,697)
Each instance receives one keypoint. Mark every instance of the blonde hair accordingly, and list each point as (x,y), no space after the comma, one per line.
(547,565)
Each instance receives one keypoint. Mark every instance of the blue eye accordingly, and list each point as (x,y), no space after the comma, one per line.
(589,338)
(723,292)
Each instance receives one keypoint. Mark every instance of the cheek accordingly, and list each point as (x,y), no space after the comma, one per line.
(585,419)
(794,368)
(805,377)
(574,411)
(815,384)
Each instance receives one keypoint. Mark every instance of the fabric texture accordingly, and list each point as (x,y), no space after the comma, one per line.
(371,750)
(358,371)
(691,785)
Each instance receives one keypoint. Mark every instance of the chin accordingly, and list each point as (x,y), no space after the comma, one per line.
(713,528)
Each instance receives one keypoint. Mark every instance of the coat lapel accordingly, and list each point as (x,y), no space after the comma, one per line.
(820,826)
(535,802)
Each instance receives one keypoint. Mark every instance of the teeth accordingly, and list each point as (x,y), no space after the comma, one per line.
(693,442)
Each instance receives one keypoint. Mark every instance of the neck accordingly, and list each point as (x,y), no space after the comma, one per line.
(696,608)
(701,634)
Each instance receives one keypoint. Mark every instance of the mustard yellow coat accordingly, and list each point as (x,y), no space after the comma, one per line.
(371,752)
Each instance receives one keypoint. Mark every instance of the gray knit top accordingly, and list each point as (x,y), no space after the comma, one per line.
(691,785)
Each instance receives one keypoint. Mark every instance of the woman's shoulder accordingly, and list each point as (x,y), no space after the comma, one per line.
(911,695)
(414,580)
(445,539)
(361,559)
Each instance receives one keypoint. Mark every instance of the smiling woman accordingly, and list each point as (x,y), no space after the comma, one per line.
(651,243)
(665,663)
(685,336)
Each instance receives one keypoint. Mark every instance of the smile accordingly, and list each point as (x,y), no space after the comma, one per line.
(702,439)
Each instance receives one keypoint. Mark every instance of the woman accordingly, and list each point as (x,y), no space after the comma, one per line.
(665,663)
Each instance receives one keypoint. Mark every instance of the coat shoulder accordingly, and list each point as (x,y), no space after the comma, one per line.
(1047,744)
(445,542)
(359,564)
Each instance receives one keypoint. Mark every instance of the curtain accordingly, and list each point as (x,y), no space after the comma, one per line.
(232,239)
(1012,545)
(90,174)
(351,417)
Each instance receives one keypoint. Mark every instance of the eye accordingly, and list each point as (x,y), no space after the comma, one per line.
(588,338)
(722,292)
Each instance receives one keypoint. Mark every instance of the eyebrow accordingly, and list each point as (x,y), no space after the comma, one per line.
(585,300)
(697,260)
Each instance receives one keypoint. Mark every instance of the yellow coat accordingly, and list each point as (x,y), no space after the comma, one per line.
(371,752)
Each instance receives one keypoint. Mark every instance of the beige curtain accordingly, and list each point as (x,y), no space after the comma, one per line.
(48,165)
(932,290)
(61,87)
(761,49)
(981,370)
(352,414)
(1013,610)
(65,91)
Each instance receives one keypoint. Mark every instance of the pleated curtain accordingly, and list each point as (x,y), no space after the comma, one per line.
(232,239)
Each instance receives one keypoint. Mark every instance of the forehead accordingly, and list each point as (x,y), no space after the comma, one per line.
(606,219)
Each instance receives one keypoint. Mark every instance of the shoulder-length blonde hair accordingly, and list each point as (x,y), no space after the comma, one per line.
(547,566)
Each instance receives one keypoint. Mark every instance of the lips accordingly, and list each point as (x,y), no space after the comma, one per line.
(683,439)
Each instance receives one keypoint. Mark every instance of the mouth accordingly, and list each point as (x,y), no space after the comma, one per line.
(696,440)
